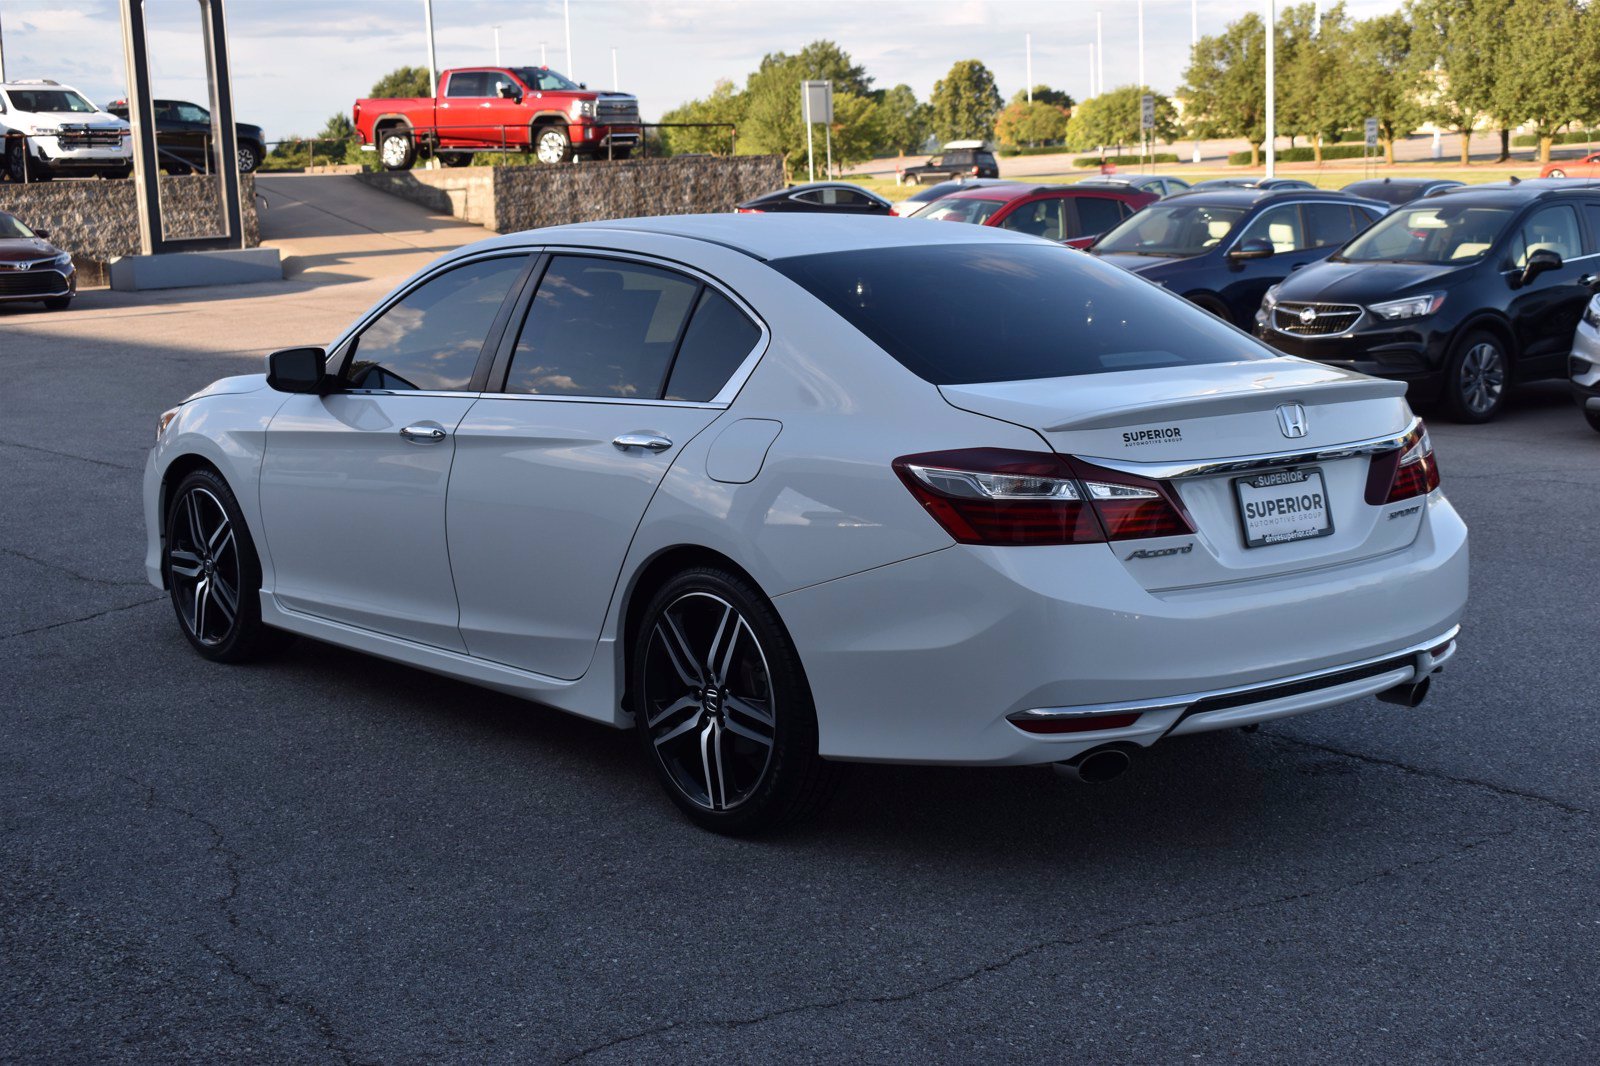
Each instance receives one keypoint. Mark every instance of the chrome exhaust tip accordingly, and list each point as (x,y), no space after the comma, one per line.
(1095,767)
(1409,695)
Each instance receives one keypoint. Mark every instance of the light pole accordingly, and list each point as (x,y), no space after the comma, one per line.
(1194,42)
(544,60)
(433,67)
(1141,45)
(1099,55)
(1029,45)
(566,17)
(616,82)
(2,54)
(1272,112)
(1091,68)
(497,46)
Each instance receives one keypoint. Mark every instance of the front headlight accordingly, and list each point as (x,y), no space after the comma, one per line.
(583,109)
(62,261)
(1270,300)
(1410,307)
(1591,314)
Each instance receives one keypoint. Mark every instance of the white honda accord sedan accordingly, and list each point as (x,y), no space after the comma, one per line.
(779,492)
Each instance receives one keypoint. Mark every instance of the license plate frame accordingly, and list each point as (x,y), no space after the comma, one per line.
(1304,475)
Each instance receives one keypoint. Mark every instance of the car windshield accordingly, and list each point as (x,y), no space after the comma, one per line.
(1386,191)
(1435,233)
(543,79)
(1175,231)
(11,229)
(50,101)
(957,314)
(961,209)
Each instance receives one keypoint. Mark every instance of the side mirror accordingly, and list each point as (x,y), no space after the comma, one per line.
(583,85)
(298,370)
(42,234)
(1540,261)
(1254,248)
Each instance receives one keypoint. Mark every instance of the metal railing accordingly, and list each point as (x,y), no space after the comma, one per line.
(17,162)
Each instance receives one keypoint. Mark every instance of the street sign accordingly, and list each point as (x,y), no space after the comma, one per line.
(816,99)
(1147,112)
(1372,133)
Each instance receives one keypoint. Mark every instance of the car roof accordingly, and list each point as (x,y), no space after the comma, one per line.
(1234,196)
(773,236)
(1008,191)
(1507,194)
(1404,182)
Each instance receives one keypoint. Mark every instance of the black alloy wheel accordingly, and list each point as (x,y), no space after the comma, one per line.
(1477,378)
(249,157)
(722,707)
(213,573)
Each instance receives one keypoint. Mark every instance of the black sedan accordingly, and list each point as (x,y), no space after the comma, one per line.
(183,137)
(1399,190)
(834,197)
(1156,183)
(1464,294)
(927,194)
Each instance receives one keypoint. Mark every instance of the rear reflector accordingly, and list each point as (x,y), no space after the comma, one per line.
(1002,497)
(1086,724)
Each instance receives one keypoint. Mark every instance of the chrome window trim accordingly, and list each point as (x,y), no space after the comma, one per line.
(1265,460)
(1173,703)
(730,388)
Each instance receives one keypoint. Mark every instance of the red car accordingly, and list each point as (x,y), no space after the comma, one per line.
(1072,214)
(490,109)
(1587,167)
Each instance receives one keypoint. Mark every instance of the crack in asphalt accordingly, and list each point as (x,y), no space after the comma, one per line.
(67,455)
(1419,771)
(231,859)
(68,571)
(85,618)
(1030,950)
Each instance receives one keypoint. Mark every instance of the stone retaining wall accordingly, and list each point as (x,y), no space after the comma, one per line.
(97,220)
(508,199)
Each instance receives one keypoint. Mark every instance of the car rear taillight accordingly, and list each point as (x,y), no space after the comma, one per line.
(976,171)
(747,211)
(1408,472)
(1002,497)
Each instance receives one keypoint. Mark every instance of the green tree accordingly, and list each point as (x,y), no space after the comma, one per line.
(1562,42)
(1023,123)
(1043,94)
(906,124)
(1225,85)
(965,102)
(1383,78)
(773,120)
(401,82)
(1313,54)
(1457,43)
(724,105)
(1117,118)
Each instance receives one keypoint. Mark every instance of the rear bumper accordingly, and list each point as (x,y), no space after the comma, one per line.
(930,660)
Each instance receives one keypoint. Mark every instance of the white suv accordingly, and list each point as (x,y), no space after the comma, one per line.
(51,129)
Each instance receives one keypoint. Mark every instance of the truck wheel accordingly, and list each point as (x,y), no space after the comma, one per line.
(397,150)
(22,167)
(455,159)
(551,145)
(620,154)
(249,157)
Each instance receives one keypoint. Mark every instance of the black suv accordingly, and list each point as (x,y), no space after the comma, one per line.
(960,159)
(1223,249)
(183,137)
(1462,293)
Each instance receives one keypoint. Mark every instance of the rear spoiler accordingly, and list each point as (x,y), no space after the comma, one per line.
(1237,403)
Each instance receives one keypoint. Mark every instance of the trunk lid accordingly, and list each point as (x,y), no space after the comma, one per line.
(1153,423)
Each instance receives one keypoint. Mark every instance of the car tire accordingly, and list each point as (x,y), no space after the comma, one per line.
(1477,378)
(23,167)
(551,145)
(58,303)
(397,149)
(249,155)
(722,707)
(213,574)
(620,154)
(454,159)
(1593,418)
(1558,173)
(912,179)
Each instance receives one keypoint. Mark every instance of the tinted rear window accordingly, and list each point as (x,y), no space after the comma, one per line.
(957,314)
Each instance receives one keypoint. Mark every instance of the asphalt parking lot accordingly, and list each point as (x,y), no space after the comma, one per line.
(331,858)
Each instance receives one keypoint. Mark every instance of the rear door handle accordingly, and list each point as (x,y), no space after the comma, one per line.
(653,441)
(423,433)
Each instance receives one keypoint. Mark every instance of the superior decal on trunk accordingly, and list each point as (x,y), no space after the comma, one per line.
(1133,438)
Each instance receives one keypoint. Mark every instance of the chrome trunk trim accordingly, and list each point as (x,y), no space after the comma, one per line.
(1265,461)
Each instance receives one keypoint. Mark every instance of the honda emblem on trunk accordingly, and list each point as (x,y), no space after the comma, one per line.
(1292,419)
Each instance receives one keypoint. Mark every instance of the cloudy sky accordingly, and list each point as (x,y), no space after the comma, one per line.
(295,62)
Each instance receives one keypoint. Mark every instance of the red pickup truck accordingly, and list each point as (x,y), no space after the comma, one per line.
(482,109)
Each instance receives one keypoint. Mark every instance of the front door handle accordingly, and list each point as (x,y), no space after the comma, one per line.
(423,433)
(1589,280)
(653,441)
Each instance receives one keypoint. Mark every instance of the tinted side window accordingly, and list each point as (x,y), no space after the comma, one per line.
(468,84)
(719,338)
(1042,218)
(601,327)
(1328,224)
(1553,228)
(1281,226)
(1096,215)
(1593,213)
(432,338)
